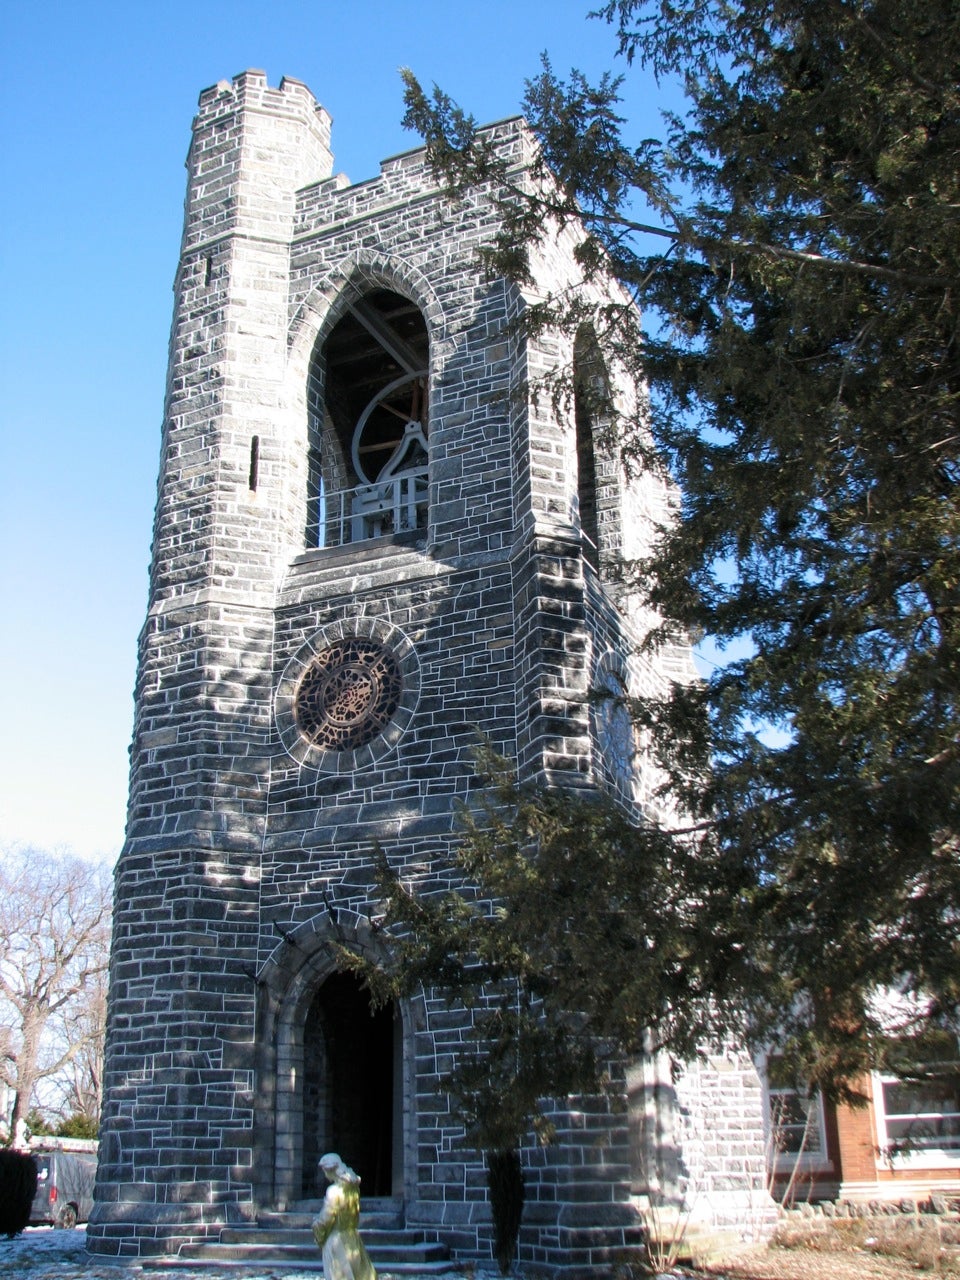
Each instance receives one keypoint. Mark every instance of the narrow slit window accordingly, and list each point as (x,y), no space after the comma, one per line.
(254,463)
(208,269)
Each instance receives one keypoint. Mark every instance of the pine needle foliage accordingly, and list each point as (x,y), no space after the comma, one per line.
(570,936)
(794,240)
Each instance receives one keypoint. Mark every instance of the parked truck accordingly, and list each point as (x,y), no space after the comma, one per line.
(64,1195)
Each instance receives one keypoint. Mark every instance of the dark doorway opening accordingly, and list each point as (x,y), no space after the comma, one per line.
(348,1085)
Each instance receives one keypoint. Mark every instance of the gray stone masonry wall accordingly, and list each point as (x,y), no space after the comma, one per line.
(249,850)
(724,1176)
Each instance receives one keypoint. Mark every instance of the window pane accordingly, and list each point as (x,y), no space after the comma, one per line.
(789,1122)
(925,1133)
(922,1116)
(901,1097)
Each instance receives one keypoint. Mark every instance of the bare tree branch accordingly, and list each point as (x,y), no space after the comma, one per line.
(54,948)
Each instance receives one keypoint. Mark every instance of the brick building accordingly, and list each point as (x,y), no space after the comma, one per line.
(372,541)
(902,1144)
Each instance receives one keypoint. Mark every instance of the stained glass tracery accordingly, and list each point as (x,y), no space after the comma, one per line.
(349,694)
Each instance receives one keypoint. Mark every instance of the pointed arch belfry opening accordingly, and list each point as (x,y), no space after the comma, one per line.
(368,409)
(350,1083)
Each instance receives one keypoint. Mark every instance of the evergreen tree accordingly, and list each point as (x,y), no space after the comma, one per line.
(794,239)
(572,939)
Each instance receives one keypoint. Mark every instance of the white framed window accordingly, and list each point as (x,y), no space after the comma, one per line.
(796,1133)
(918,1120)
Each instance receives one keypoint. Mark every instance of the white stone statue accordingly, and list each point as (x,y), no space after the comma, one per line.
(21,1136)
(335,1226)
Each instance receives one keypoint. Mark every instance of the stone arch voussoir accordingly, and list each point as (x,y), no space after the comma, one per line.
(288,981)
(316,317)
(354,276)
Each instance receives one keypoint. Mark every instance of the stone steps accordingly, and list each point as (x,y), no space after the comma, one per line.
(285,1239)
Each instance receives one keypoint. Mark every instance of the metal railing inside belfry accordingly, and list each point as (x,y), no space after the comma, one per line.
(398,504)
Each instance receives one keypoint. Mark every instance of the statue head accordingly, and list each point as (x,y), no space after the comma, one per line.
(334,1169)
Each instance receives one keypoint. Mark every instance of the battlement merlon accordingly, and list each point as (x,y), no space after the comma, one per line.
(250,89)
(243,119)
(252,148)
(405,175)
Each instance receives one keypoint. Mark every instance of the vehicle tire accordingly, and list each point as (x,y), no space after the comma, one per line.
(67,1218)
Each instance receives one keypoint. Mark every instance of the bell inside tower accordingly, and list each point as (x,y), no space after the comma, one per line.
(369,424)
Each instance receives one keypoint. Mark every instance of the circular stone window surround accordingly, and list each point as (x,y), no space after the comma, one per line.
(325,759)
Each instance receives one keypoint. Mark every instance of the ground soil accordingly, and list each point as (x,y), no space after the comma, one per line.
(762,1263)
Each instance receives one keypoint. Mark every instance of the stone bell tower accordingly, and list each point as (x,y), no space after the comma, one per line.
(372,542)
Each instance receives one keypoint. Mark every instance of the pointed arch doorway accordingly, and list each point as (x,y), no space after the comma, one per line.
(351,1093)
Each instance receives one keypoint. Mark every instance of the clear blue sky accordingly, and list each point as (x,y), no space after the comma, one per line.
(96,101)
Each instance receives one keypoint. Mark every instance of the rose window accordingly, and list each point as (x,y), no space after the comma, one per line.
(349,694)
